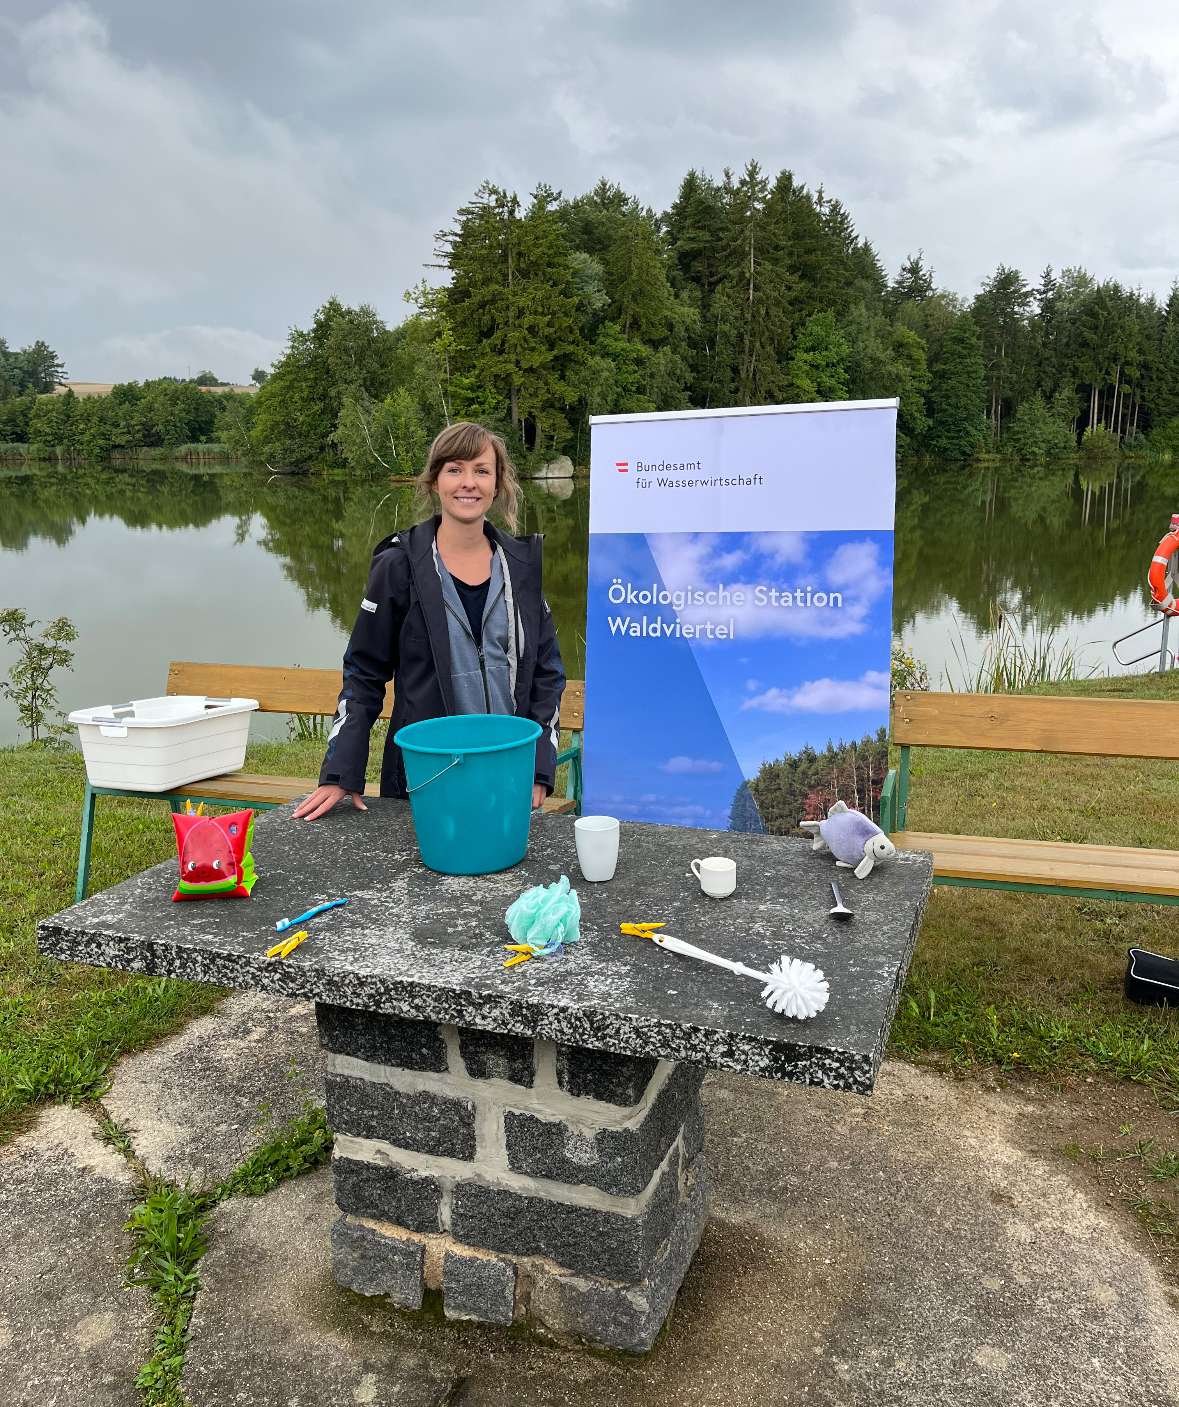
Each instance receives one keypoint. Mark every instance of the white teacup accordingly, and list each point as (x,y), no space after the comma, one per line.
(596,838)
(717,876)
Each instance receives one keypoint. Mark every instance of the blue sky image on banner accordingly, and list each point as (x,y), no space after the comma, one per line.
(724,669)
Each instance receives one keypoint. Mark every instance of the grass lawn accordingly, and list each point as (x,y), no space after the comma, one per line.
(1014,981)
(1035,981)
(61,1024)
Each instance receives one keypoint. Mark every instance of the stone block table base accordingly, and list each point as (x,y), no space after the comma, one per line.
(524,1181)
(510,1170)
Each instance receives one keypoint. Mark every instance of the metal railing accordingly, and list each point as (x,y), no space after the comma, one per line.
(1166,656)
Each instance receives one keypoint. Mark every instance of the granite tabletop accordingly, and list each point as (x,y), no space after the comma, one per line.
(428,946)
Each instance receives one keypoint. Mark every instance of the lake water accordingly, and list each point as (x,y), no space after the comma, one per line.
(242,567)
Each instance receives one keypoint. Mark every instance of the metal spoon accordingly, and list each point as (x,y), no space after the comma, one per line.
(840,910)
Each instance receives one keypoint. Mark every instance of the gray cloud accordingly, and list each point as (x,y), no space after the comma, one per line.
(703,26)
(1041,65)
(185,181)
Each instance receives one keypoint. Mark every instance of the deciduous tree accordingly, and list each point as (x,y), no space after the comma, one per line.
(818,364)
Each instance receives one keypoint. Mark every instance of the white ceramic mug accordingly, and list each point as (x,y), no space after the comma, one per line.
(596,838)
(717,876)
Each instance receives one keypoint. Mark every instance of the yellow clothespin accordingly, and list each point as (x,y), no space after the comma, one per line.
(188,811)
(523,952)
(287,946)
(639,930)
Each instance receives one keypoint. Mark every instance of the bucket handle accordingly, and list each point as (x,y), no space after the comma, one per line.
(410,790)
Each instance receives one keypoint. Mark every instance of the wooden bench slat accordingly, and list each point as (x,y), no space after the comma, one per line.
(293,690)
(260,787)
(1002,861)
(1026,723)
(277,690)
(1060,851)
(573,706)
(251,786)
(1043,854)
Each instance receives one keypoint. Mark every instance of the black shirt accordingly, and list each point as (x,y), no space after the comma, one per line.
(474,599)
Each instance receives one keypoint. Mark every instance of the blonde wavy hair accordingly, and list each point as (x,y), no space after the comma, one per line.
(465,440)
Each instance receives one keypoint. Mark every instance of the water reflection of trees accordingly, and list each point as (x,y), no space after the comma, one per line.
(1046,545)
(54,504)
(322,530)
(325,532)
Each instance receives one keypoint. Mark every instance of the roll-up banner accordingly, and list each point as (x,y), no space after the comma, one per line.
(739,618)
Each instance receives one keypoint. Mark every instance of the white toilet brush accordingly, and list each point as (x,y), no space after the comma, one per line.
(792,987)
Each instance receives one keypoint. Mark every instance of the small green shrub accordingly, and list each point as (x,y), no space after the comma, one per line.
(908,672)
(29,684)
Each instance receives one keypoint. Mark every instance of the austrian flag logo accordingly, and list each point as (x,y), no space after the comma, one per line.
(622,465)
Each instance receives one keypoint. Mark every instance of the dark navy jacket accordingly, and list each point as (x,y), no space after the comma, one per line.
(401,632)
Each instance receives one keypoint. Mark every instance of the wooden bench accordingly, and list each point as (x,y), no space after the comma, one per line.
(310,691)
(1025,723)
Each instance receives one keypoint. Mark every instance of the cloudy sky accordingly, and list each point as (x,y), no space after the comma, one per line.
(181,182)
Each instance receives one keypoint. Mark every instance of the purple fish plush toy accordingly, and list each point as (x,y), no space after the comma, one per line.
(856,842)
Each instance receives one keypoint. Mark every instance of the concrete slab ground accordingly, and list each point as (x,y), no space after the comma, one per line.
(926,1246)
(196,1105)
(906,1250)
(70,1334)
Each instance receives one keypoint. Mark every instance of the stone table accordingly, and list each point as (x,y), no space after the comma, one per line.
(526,1142)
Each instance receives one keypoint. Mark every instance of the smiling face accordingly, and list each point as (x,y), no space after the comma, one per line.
(466,487)
(215,858)
(206,856)
(468,471)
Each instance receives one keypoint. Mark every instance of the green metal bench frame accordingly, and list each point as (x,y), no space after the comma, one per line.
(175,799)
(571,755)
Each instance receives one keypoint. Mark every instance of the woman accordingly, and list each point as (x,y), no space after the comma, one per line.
(454,614)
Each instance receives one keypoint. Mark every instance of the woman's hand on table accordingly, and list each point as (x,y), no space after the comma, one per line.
(321,801)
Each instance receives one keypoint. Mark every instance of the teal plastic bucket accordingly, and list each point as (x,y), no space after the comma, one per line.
(470,781)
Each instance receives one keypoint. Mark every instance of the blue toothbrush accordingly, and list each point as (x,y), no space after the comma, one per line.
(284,923)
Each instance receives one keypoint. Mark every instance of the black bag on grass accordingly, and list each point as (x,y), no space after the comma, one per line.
(1151,979)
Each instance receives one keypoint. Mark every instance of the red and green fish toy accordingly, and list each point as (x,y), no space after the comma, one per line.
(215,858)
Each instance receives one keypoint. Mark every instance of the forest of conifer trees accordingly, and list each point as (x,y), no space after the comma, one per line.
(804,785)
(747,290)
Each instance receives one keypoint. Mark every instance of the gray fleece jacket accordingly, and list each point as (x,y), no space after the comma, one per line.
(483,674)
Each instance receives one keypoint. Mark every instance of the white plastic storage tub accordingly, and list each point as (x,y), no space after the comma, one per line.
(162,744)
